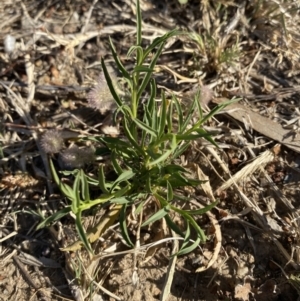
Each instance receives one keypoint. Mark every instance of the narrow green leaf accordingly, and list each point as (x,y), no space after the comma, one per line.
(191,220)
(112,142)
(199,231)
(179,112)
(211,140)
(129,83)
(172,168)
(161,199)
(127,155)
(64,188)
(158,41)
(102,151)
(120,200)
(151,101)
(144,127)
(156,216)
(167,137)
(149,185)
(189,115)
(67,173)
(174,142)
(134,131)
(110,84)
(101,179)
(121,147)
(115,163)
(148,75)
(126,110)
(54,217)
(38,213)
(170,194)
(67,191)
(147,116)
(123,226)
(84,187)
(217,109)
(170,115)
(173,226)
(162,116)
(139,208)
(103,199)
(81,233)
(117,60)
(177,180)
(187,236)
(201,133)
(188,249)
(154,115)
(123,177)
(139,51)
(202,210)
(180,150)
(142,68)
(160,159)
(122,191)
(144,135)
(132,139)
(186,246)
(76,201)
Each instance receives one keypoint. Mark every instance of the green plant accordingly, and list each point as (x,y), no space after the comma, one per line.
(145,158)
(216,51)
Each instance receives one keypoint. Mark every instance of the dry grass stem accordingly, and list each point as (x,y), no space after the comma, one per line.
(258,163)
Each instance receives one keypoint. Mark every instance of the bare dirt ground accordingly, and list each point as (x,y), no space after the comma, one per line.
(245,49)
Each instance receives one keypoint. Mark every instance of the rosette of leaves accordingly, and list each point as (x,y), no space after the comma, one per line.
(144,157)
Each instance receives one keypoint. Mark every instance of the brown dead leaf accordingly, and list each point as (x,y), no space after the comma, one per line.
(263,125)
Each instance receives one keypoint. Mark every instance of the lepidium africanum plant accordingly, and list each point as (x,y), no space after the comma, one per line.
(143,156)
